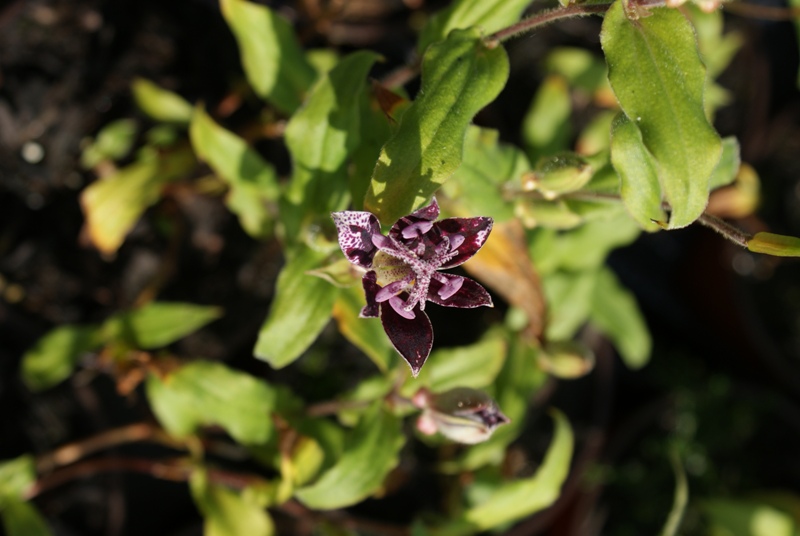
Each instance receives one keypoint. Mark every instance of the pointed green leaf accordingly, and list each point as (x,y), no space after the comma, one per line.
(161,104)
(546,128)
(271,55)
(524,497)
(365,333)
(22,519)
(228,513)
(206,393)
(113,142)
(638,174)
(489,15)
(477,186)
(55,355)
(615,312)
(371,452)
(252,181)
(301,308)
(460,76)
(775,244)
(322,135)
(158,324)
(658,77)
(112,205)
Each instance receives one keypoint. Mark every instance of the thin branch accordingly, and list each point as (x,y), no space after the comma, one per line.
(546,17)
(753,11)
(727,230)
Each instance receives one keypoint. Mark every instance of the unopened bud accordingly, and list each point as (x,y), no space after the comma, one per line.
(462,414)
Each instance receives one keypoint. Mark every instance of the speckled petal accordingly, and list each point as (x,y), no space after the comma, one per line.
(371,289)
(469,295)
(475,231)
(356,231)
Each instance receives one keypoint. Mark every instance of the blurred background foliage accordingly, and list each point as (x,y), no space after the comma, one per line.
(144,164)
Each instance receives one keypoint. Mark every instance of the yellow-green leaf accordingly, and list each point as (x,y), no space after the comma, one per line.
(158,324)
(161,104)
(775,244)
(226,512)
(489,15)
(55,355)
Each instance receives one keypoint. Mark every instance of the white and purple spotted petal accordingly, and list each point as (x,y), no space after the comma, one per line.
(371,289)
(356,231)
(467,236)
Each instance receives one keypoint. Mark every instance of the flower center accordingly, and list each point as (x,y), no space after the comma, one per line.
(390,269)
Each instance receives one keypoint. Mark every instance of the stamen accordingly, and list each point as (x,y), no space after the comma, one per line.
(452,286)
(397,305)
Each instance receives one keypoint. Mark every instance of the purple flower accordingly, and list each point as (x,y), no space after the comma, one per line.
(403,271)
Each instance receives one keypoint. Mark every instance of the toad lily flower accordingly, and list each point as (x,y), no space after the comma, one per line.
(402,271)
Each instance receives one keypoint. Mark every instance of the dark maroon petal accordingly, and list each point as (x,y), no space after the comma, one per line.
(356,230)
(371,288)
(412,338)
(470,295)
(474,230)
(425,214)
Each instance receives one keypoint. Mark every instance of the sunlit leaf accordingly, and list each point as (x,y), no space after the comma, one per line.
(546,128)
(521,498)
(206,393)
(658,77)
(158,324)
(615,312)
(321,136)
(226,512)
(475,366)
(365,333)
(161,104)
(639,184)
(371,452)
(55,355)
(489,15)
(271,55)
(253,182)
(460,76)
(16,476)
(747,518)
(489,164)
(301,308)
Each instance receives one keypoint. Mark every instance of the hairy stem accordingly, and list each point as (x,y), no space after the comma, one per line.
(546,17)
(737,236)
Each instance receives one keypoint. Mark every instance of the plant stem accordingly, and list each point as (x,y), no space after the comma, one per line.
(546,17)
(744,9)
(727,230)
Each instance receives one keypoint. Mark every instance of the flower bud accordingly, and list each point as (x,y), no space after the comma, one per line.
(462,414)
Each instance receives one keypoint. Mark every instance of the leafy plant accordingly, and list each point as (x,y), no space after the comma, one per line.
(363,157)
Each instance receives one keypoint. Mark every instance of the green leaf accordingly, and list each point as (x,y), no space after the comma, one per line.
(55,355)
(476,366)
(460,76)
(323,134)
(113,204)
(546,128)
(271,55)
(490,15)
(639,184)
(161,104)
(747,518)
(558,174)
(659,78)
(569,301)
(580,67)
(615,312)
(728,167)
(253,182)
(22,519)
(524,497)
(301,308)
(113,142)
(16,476)
(477,186)
(371,452)
(206,393)
(775,244)
(158,324)
(226,512)
(365,333)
